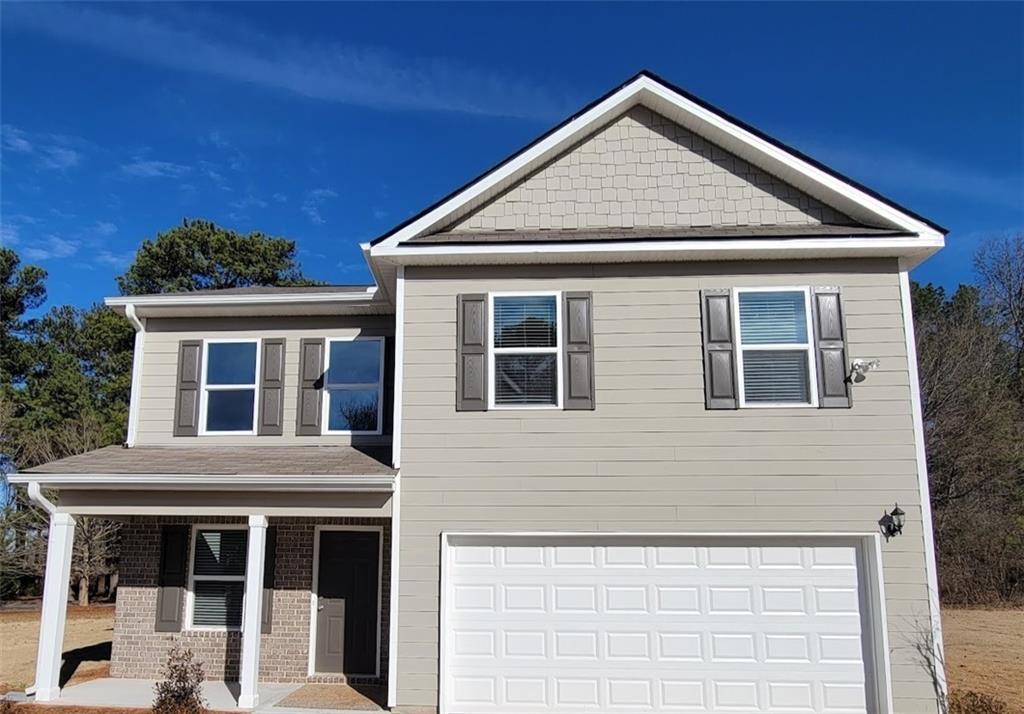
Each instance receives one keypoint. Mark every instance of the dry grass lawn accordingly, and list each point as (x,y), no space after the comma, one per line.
(984,649)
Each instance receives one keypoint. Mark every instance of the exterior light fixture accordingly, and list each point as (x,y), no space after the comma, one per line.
(859,369)
(891,524)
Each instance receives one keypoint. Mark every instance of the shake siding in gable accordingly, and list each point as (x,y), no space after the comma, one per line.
(159,372)
(651,457)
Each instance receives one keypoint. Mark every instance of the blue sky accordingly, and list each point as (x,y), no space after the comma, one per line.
(329,123)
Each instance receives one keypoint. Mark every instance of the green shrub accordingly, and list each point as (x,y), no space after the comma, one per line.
(181,692)
(969,702)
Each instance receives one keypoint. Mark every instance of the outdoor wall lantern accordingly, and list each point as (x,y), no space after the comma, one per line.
(891,523)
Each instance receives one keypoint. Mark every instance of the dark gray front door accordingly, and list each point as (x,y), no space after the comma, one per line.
(348,585)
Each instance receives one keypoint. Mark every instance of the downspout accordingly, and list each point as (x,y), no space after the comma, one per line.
(35,494)
(133,403)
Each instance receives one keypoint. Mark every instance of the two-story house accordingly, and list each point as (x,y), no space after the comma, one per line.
(608,434)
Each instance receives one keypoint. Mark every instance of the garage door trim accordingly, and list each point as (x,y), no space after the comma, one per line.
(869,553)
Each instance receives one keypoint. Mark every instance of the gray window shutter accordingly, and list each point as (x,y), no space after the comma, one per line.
(471,354)
(269,563)
(311,382)
(719,349)
(186,402)
(172,577)
(830,348)
(578,351)
(271,421)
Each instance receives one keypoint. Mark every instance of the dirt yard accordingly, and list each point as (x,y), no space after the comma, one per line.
(984,649)
(86,645)
(985,652)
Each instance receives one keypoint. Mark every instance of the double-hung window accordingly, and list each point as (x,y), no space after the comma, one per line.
(353,382)
(525,350)
(229,386)
(774,346)
(217,583)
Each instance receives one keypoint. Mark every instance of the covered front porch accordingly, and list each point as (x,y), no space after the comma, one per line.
(272,581)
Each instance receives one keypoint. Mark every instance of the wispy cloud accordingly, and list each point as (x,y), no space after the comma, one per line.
(234,156)
(280,198)
(242,206)
(115,260)
(11,225)
(105,228)
(50,247)
(314,200)
(350,74)
(50,151)
(16,140)
(148,168)
(9,233)
(885,167)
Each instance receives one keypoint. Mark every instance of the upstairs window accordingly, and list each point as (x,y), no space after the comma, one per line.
(775,353)
(229,386)
(525,350)
(353,386)
(218,578)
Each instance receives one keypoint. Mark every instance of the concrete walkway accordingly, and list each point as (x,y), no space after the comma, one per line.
(139,693)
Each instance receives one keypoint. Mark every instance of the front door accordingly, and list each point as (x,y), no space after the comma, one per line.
(348,590)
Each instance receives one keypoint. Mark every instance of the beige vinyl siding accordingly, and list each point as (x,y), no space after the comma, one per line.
(160,364)
(651,457)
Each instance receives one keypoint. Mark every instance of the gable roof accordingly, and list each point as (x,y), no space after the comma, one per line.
(828,185)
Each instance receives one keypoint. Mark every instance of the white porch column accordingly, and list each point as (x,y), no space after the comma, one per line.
(252,613)
(55,606)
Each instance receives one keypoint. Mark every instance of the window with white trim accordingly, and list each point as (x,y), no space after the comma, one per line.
(229,386)
(774,347)
(525,350)
(217,578)
(353,385)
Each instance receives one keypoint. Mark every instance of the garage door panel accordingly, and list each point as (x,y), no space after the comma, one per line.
(656,627)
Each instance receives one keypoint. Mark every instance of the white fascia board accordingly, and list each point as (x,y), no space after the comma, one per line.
(913,250)
(385,287)
(210,482)
(213,299)
(641,89)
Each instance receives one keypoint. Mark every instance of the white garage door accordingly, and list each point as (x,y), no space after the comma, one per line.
(558,626)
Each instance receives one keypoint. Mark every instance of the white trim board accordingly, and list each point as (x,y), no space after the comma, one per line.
(877,661)
(556,350)
(660,97)
(325,407)
(187,625)
(806,347)
(317,530)
(927,526)
(205,388)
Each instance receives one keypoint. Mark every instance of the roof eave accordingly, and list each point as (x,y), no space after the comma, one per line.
(377,483)
(187,304)
(911,250)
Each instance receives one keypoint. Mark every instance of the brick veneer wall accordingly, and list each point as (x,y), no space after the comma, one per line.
(140,652)
(643,170)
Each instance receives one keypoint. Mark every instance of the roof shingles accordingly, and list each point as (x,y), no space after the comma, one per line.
(227,460)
